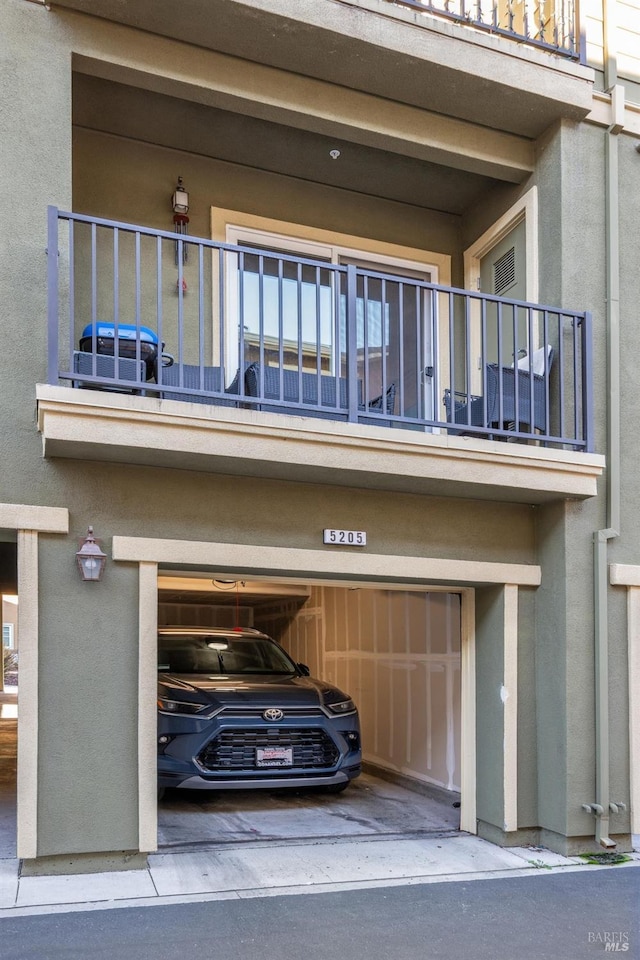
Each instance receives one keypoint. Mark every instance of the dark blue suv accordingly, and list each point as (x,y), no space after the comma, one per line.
(235,711)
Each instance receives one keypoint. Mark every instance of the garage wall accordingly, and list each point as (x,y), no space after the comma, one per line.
(398,654)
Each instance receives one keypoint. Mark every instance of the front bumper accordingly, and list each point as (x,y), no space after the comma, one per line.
(260,783)
(219,754)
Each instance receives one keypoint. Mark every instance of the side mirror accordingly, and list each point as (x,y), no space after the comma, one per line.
(304,669)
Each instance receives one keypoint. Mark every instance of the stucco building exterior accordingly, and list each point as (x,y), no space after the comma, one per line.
(447,216)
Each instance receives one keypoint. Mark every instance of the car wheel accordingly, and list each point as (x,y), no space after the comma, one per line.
(336,787)
(161,791)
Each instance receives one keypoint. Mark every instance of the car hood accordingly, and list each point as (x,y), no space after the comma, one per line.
(256,690)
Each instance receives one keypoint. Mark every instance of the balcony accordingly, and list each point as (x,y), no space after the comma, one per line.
(551,25)
(270,353)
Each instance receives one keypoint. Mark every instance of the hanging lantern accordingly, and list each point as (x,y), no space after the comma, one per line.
(180,199)
(180,204)
(90,558)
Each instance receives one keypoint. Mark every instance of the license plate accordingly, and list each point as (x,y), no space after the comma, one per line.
(274,756)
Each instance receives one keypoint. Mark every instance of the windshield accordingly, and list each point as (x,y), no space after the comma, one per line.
(189,653)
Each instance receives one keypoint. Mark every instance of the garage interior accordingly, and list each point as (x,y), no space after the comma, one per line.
(396,652)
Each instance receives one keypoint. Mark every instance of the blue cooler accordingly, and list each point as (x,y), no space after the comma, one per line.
(130,338)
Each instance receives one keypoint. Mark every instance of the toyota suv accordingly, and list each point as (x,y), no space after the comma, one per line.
(236,712)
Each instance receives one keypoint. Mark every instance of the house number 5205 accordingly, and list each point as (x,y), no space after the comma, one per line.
(345,538)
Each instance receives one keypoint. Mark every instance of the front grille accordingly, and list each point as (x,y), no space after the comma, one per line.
(291,713)
(236,749)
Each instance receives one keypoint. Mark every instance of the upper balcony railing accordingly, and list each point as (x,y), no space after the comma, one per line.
(550,24)
(266,330)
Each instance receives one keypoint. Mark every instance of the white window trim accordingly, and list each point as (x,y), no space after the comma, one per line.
(9,627)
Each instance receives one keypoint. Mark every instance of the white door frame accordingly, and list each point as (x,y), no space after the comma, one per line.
(526,208)
(337,569)
(233,226)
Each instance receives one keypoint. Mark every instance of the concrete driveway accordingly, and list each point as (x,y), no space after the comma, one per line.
(370,807)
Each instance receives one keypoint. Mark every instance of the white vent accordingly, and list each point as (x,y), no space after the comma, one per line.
(504,272)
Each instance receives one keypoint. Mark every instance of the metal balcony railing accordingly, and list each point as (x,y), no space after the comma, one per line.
(550,24)
(149,312)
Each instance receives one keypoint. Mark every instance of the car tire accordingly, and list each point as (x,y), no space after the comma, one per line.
(336,787)
(161,791)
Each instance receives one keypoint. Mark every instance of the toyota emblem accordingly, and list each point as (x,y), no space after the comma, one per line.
(273,713)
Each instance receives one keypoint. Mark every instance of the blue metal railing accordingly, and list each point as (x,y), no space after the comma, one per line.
(267,330)
(550,24)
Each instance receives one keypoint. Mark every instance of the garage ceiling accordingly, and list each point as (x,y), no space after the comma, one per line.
(178,587)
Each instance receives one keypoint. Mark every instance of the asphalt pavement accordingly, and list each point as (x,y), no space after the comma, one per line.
(579,915)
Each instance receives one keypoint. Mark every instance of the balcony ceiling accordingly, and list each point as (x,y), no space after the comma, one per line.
(154,118)
(376,47)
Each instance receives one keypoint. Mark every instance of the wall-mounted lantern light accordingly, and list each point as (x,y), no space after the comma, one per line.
(180,204)
(90,558)
(180,199)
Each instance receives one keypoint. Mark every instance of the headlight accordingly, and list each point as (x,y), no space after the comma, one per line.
(346,706)
(178,706)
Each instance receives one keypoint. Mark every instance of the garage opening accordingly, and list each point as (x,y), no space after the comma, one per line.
(395,651)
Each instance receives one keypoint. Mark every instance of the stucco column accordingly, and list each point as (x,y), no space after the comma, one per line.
(497,709)
(147,709)
(27,799)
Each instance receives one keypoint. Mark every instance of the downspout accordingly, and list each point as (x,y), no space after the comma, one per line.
(601,538)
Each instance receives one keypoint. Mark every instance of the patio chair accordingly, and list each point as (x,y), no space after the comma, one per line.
(190,377)
(528,379)
(385,403)
(500,399)
(325,396)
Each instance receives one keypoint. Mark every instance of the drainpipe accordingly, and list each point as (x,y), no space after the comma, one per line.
(601,538)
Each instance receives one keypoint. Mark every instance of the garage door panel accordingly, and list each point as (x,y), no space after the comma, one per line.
(455,771)
(443,623)
(367,698)
(437,723)
(383,633)
(367,632)
(331,621)
(416,614)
